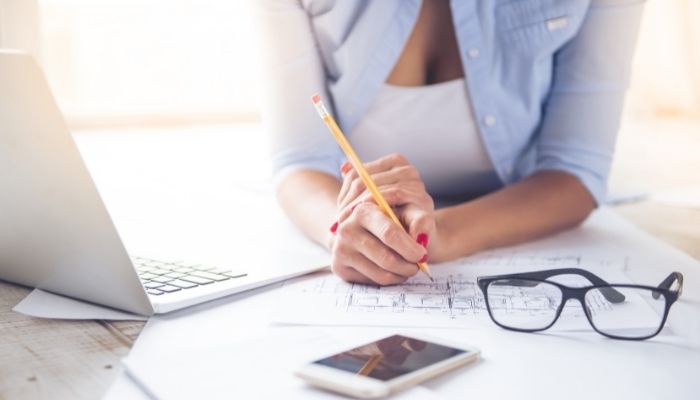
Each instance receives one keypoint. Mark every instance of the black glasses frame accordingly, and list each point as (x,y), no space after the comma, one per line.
(579,293)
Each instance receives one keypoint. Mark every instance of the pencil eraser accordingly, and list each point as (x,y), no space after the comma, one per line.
(316,98)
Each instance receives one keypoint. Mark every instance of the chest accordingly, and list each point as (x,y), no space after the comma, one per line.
(430,54)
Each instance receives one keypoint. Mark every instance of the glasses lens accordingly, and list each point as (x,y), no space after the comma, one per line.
(638,315)
(523,303)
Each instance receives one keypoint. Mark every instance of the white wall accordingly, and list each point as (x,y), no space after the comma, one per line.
(123,58)
(19,25)
(666,69)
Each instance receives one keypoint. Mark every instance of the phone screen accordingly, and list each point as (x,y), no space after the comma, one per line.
(390,357)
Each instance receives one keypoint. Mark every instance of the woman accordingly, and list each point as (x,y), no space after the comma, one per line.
(503,112)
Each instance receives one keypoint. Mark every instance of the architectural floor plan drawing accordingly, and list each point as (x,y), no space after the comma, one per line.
(452,294)
(454,299)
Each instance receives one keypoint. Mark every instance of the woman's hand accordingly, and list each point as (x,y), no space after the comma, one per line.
(369,247)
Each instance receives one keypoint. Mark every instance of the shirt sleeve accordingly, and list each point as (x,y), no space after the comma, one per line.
(291,72)
(582,114)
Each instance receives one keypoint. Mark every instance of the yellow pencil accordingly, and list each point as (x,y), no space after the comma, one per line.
(357,164)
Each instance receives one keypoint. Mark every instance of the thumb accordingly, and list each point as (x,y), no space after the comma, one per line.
(419,223)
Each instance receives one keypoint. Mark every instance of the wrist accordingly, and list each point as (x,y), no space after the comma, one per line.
(455,237)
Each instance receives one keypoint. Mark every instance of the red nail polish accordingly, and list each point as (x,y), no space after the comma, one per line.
(345,168)
(424,259)
(334,227)
(422,239)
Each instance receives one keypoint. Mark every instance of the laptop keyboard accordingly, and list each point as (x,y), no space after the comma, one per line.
(160,277)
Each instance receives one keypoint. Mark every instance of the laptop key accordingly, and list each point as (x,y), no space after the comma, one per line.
(234,274)
(154,263)
(209,275)
(160,271)
(196,279)
(154,292)
(162,279)
(203,267)
(175,275)
(182,269)
(168,288)
(182,284)
(152,285)
(147,276)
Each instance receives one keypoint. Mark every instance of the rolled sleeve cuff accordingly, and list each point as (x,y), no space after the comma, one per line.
(593,179)
(283,168)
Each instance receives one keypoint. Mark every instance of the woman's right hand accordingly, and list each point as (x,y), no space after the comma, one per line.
(368,247)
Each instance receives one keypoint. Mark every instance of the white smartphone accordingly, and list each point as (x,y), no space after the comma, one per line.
(386,366)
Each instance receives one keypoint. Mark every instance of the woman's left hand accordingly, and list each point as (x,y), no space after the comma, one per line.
(402,187)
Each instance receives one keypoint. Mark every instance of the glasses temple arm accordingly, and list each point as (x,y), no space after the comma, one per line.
(609,293)
(668,282)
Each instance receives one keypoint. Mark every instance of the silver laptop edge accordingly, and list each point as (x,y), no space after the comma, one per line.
(55,232)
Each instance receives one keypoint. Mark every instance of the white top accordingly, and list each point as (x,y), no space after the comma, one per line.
(433,127)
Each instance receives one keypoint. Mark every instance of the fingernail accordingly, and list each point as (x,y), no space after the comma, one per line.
(422,239)
(334,227)
(345,168)
(424,258)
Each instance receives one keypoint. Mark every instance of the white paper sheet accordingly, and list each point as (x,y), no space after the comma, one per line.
(219,337)
(226,349)
(606,245)
(125,388)
(271,357)
(43,304)
(454,299)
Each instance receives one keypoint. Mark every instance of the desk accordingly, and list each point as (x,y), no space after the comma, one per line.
(80,359)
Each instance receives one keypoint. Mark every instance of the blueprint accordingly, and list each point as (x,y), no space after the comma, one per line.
(453,300)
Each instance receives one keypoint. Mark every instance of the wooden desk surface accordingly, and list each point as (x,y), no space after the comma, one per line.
(80,359)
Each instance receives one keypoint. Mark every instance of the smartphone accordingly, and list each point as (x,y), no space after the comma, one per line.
(386,366)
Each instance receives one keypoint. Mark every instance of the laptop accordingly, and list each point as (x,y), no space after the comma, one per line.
(56,233)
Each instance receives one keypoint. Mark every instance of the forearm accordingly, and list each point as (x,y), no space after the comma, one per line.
(539,205)
(310,200)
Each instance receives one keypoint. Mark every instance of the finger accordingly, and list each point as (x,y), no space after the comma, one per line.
(355,188)
(406,193)
(375,273)
(384,257)
(350,184)
(350,265)
(420,223)
(350,274)
(345,168)
(395,196)
(389,233)
(346,212)
(372,248)
(373,167)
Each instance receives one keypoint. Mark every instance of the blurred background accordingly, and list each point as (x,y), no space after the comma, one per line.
(124,61)
(127,64)
(139,61)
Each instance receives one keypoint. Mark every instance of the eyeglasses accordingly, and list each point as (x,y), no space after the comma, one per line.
(528,302)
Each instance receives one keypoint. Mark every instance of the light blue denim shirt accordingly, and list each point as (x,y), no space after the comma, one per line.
(546,78)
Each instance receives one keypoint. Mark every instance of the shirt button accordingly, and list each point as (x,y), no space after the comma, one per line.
(473,52)
(490,120)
